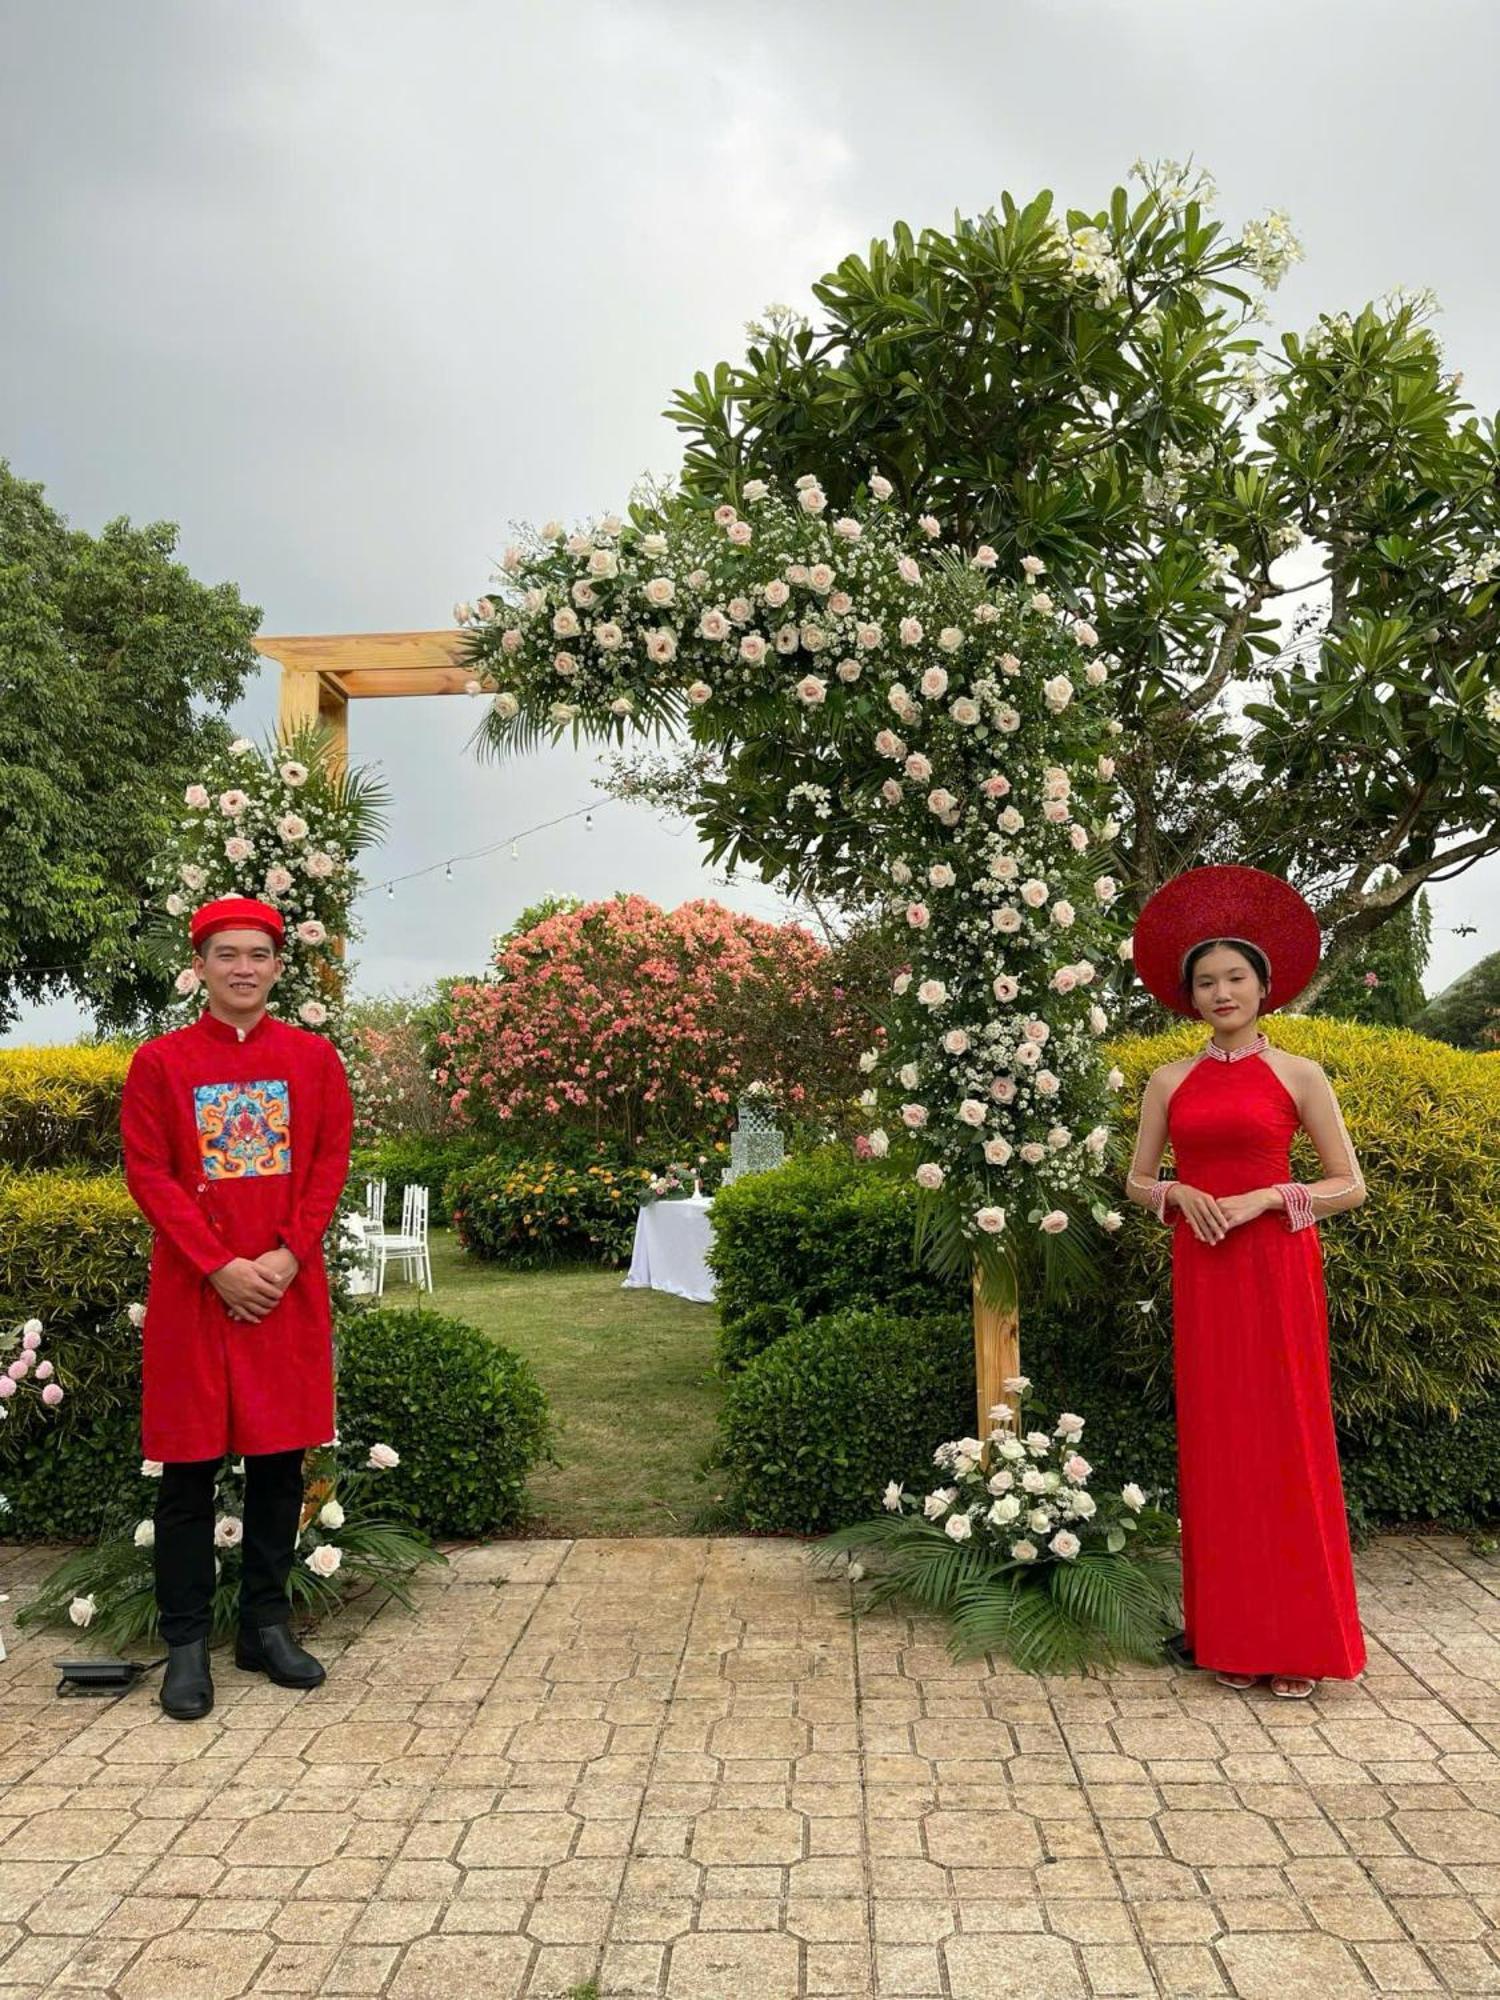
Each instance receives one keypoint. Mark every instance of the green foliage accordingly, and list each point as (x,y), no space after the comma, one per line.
(533,1213)
(115,669)
(1381,985)
(71,1476)
(1413,1276)
(819,1234)
(61,1106)
(116,1574)
(428,1162)
(1466,1014)
(466,1414)
(72,1246)
(815,1425)
(1090,387)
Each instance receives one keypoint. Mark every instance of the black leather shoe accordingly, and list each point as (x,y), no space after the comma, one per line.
(187,1686)
(271,1650)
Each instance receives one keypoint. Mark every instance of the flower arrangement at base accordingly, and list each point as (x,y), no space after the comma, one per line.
(28,1365)
(344,1545)
(674,1183)
(1020,1556)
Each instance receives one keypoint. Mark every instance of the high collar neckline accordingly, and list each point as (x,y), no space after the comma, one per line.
(1256,1048)
(221,1031)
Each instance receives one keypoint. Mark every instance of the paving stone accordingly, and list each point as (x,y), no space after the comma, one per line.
(1019,1967)
(443,1968)
(194,1966)
(712,1965)
(1297,1965)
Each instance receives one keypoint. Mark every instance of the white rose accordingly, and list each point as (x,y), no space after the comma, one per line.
(972,1112)
(382,1458)
(909,1076)
(1133,1497)
(891,1498)
(1084,634)
(879,1144)
(229,1531)
(145,1534)
(1033,565)
(997,1152)
(699,693)
(151,1468)
(932,993)
(82,1610)
(812,692)
(325,1559)
(959,1527)
(934,682)
(312,1013)
(984,557)
(965,712)
(911,631)
(660,590)
(991,1220)
(330,1515)
(1023,1551)
(1064,1544)
(136,1314)
(506,705)
(881,487)
(929,1175)
(196,796)
(754,489)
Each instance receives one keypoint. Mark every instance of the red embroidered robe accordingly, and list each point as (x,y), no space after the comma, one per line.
(235,1143)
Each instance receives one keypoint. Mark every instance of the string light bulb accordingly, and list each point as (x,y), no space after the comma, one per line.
(390,892)
(448,872)
(515,852)
(588,821)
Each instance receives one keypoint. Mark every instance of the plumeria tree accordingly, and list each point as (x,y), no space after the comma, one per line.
(898,720)
(1292,550)
(284,824)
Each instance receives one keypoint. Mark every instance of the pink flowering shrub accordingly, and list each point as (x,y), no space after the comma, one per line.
(624,1021)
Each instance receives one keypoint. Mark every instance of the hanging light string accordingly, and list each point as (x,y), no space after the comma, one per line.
(510,840)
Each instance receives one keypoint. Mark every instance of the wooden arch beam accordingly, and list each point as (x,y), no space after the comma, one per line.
(322,672)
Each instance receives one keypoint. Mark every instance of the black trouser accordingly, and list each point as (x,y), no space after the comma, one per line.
(185,1543)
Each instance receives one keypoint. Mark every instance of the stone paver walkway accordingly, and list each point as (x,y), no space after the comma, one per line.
(678,1768)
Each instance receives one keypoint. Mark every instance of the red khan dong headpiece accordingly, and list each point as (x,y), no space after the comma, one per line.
(1240,905)
(236,913)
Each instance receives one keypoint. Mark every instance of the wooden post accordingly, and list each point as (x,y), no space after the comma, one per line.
(997,1350)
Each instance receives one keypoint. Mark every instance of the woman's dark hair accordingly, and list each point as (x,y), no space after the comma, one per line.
(1255,959)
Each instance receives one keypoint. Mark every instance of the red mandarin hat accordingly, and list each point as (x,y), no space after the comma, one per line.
(1244,905)
(235,913)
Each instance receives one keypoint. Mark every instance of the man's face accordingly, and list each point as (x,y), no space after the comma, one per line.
(238,968)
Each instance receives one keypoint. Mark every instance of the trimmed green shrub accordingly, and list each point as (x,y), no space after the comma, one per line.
(818,1235)
(467,1415)
(414,1162)
(537,1213)
(71,1246)
(61,1105)
(814,1426)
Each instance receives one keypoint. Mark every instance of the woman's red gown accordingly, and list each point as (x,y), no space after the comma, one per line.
(1268,1581)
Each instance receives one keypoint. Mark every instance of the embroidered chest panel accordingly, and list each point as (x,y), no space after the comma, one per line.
(244,1129)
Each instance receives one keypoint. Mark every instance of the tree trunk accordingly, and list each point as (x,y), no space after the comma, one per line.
(997,1349)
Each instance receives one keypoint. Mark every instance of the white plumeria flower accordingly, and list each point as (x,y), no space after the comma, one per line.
(892,1497)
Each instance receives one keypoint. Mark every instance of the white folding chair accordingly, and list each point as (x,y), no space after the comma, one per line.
(409,1246)
(375,1203)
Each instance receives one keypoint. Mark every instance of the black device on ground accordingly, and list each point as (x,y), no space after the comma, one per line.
(101,1675)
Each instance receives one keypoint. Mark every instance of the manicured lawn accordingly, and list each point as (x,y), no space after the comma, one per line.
(629,1376)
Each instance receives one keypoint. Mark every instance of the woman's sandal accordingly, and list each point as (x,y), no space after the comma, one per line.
(1240,1681)
(1292,1687)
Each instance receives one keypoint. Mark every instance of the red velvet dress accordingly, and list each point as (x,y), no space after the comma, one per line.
(1268,1580)
(234,1147)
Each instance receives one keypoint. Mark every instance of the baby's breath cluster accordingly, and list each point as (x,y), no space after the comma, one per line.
(949,724)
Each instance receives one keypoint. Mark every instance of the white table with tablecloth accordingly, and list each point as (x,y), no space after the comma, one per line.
(671,1249)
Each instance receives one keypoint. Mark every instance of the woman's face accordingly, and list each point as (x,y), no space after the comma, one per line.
(1226,988)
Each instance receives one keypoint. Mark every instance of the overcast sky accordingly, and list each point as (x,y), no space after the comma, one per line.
(346,286)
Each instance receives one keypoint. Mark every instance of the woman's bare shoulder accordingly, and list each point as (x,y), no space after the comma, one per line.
(1167,1075)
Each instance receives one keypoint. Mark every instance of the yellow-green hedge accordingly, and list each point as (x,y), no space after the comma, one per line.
(61,1105)
(1414,1273)
(71,1246)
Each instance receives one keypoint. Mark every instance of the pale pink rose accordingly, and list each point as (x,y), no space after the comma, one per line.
(841,604)
(312,1013)
(196,796)
(991,1220)
(1116,1079)
(565,664)
(229,1531)
(699,692)
(233,803)
(513,561)
(320,866)
(1075,1466)
(918,768)
(867,637)
(930,1175)
(1009,664)
(1064,979)
(31,1335)
(1033,566)
(812,500)
(1098,1020)
(847,530)
(814,638)
(186,981)
(658,590)
(891,792)
(1046,1083)
(1111,1221)
(972,1112)
(997,1152)
(1038,1032)
(879,1144)
(741,534)
(325,1559)
(911,631)
(1033,893)
(312,932)
(881,487)
(1055,1221)
(176,907)
(1005,918)
(510,641)
(383,1458)
(237,850)
(918,916)
(888,743)
(1064,1544)
(294,774)
(984,557)
(1063,914)
(965,712)
(741,610)
(908,570)
(1006,988)
(955,1042)
(578,545)
(1106,888)
(820,576)
(1059,1138)
(930,525)
(752,649)
(485,607)
(1042,603)
(661,647)
(1096,673)
(1011,821)
(622,705)
(725,514)
(995,786)
(788,639)
(776,593)
(934,682)
(900,872)
(941,876)
(941,801)
(1028,1054)
(279,880)
(811,692)
(81,1611)
(914,1116)
(950,639)
(292,827)
(849,670)
(565,621)
(753,490)
(1055,811)
(1007,719)
(1125,949)
(714,625)
(603,563)
(1033,1153)
(932,993)
(1084,634)
(1078,838)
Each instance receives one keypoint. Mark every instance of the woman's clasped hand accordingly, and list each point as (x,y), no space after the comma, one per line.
(1211,1217)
